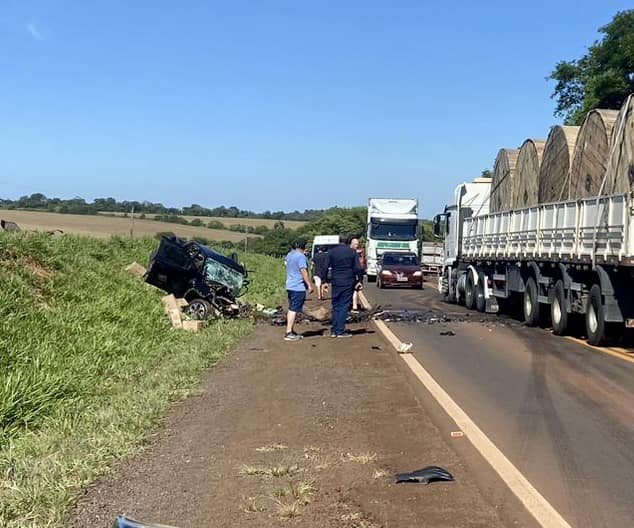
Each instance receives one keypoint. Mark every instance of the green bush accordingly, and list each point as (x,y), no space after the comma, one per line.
(215,224)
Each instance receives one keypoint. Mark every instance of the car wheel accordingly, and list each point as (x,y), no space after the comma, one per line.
(200,309)
(558,312)
(531,304)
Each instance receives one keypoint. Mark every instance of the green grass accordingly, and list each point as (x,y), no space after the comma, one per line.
(89,363)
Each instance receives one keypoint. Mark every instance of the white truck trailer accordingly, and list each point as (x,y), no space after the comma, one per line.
(431,257)
(566,259)
(392,226)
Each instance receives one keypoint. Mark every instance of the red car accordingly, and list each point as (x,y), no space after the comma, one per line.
(399,270)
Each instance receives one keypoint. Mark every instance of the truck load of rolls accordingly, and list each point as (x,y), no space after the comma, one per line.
(574,162)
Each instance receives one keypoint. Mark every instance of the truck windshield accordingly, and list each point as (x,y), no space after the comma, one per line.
(393,230)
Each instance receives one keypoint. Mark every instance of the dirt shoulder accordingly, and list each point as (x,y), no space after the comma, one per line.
(306,434)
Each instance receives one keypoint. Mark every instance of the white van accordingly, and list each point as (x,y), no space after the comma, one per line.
(327,241)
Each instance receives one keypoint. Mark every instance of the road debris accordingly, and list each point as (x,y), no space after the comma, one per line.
(404,348)
(426,475)
(136,269)
(7,225)
(456,434)
(412,316)
(448,333)
(126,522)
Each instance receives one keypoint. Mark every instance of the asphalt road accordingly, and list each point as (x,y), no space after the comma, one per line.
(562,412)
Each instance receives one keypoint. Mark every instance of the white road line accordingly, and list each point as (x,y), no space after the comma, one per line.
(535,503)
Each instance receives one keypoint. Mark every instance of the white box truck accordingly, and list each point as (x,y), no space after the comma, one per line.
(555,259)
(431,257)
(392,226)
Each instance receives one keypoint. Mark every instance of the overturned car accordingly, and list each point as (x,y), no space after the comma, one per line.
(209,281)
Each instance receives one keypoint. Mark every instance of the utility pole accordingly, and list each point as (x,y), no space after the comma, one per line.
(132,223)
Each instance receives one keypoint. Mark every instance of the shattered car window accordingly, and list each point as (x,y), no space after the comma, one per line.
(217,272)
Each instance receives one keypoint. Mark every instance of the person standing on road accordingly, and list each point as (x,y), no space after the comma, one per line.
(320,271)
(297,282)
(347,275)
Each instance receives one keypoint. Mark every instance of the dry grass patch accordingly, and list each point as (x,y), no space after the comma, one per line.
(280,470)
(379,473)
(361,458)
(271,448)
(289,510)
(249,471)
(253,505)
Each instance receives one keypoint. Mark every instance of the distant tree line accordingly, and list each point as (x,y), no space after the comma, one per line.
(40,202)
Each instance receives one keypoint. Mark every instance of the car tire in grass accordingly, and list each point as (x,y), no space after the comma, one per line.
(200,309)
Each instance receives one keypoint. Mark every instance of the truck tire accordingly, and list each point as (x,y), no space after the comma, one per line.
(469,292)
(531,304)
(445,293)
(595,321)
(480,301)
(558,310)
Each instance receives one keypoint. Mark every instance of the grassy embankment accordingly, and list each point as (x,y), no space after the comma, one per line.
(88,363)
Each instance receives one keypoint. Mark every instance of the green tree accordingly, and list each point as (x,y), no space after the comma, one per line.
(602,78)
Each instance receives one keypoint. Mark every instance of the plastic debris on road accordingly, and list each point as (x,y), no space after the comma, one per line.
(404,348)
(126,522)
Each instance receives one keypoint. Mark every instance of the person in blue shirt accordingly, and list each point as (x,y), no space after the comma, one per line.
(347,276)
(297,283)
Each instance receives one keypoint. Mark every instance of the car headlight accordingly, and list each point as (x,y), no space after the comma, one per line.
(386,272)
(418,273)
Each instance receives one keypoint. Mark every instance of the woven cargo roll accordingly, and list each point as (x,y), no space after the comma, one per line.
(554,172)
(526,185)
(591,153)
(621,171)
(503,178)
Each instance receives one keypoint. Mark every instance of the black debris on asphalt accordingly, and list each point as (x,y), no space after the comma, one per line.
(426,475)
(413,316)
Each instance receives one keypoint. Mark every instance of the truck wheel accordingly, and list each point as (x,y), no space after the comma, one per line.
(469,292)
(558,312)
(531,304)
(445,294)
(480,301)
(595,322)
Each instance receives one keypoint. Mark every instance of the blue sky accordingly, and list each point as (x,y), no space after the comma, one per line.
(274,104)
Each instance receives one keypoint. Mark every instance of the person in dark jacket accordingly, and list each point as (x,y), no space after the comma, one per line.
(346,276)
